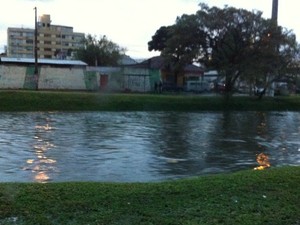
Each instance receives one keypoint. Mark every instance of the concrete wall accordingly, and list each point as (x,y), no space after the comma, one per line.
(77,78)
(12,77)
(50,78)
(62,78)
(127,78)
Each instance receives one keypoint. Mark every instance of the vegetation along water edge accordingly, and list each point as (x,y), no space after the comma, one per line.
(91,101)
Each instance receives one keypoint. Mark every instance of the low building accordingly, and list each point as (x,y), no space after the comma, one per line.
(165,73)
(211,76)
(18,73)
(56,74)
(106,79)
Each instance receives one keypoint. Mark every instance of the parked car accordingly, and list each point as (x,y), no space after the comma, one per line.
(171,87)
(197,86)
(220,87)
(282,89)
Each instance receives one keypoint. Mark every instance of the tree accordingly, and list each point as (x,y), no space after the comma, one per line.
(234,37)
(102,52)
(158,42)
(240,44)
(179,44)
(278,50)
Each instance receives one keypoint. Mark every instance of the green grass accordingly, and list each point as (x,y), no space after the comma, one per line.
(247,197)
(87,101)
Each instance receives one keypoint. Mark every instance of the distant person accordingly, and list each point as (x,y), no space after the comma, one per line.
(155,87)
(160,86)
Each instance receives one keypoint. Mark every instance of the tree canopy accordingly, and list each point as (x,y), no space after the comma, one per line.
(102,52)
(240,44)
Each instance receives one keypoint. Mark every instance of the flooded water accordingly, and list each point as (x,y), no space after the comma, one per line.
(141,146)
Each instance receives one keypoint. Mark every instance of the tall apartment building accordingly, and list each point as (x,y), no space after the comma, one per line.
(54,41)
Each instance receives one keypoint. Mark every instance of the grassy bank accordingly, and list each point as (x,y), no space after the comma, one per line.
(70,101)
(247,197)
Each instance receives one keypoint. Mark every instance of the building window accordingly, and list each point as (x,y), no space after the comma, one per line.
(29,34)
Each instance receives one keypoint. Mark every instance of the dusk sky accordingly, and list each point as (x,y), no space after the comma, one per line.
(129,23)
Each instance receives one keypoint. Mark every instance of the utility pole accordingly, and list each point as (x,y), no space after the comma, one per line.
(36,72)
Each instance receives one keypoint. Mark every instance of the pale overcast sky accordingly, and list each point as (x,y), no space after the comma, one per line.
(129,23)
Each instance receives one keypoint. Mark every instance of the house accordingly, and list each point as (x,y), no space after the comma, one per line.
(211,76)
(137,78)
(129,76)
(109,78)
(126,60)
(163,71)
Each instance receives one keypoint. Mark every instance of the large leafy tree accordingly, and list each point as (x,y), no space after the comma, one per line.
(245,46)
(179,44)
(99,52)
(240,44)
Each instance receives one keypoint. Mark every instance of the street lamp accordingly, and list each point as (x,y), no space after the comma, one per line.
(36,80)
(275,10)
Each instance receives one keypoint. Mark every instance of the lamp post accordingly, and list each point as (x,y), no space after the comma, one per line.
(275,11)
(36,80)
(274,19)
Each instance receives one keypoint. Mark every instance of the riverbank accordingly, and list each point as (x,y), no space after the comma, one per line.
(248,197)
(88,101)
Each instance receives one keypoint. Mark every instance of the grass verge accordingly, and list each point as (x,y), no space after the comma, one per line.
(247,197)
(85,101)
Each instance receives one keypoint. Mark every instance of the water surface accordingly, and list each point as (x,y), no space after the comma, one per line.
(141,146)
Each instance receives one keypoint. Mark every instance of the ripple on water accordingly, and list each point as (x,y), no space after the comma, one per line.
(141,146)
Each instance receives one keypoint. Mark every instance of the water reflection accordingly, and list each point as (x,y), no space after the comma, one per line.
(142,146)
(263,161)
(281,146)
(42,165)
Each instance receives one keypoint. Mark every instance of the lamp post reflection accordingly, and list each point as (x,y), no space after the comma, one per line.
(36,75)
(42,165)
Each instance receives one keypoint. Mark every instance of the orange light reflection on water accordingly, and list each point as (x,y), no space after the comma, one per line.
(41,177)
(263,161)
(41,165)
